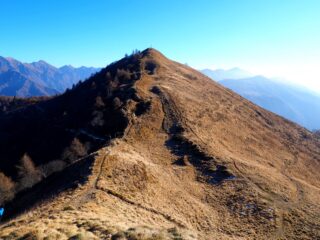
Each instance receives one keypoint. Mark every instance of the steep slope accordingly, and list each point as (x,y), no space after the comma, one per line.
(38,78)
(193,161)
(294,103)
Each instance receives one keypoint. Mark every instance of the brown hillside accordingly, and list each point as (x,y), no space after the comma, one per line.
(189,159)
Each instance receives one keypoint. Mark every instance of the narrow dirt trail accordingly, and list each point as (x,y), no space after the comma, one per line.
(89,190)
(92,187)
(173,117)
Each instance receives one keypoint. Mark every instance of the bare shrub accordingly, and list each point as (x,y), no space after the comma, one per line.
(99,102)
(123,74)
(116,103)
(142,107)
(52,167)
(151,66)
(109,89)
(75,151)
(7,190)
(97,120)
(108,76)
(93,85)
(28,174)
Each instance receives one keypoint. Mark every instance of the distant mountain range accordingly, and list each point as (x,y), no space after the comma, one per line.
(292,102)
(42,79)
(38,78)
(221,74)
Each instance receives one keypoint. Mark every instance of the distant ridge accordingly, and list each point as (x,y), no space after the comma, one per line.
(293,102)
(221,74)
(38,78)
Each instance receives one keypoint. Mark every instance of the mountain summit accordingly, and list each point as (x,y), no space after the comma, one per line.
(149,148)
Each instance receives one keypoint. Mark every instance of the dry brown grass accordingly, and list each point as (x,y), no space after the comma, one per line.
(138,191)
(6,188)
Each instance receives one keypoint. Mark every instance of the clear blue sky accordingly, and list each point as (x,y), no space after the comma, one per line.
(273,37)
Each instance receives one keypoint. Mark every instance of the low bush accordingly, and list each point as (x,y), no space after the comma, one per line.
(123,75)
(52,167)
(75,151)
(7,188)
(28,174)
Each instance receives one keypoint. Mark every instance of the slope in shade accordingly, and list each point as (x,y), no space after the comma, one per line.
(91,112)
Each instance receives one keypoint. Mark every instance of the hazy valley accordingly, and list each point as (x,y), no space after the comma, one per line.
(291,101)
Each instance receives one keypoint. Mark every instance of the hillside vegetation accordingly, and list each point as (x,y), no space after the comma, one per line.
(151,149)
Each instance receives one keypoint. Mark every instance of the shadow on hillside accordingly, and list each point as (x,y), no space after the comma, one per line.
(72,176)
(189,154)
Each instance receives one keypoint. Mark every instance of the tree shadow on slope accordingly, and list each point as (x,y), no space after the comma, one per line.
(70,178)
(189,154)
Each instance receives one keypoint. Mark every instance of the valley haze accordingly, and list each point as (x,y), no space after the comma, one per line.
(289,100)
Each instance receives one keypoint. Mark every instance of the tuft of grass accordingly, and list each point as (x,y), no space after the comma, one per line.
(119,236)
(68,208)
(77,237)
(175,233)
(29,236)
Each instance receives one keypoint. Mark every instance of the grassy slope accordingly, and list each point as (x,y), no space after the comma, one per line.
(138,185)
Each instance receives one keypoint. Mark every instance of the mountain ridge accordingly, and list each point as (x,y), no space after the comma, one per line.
(46,79)
(294,102)
(222,74)
(177,166)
